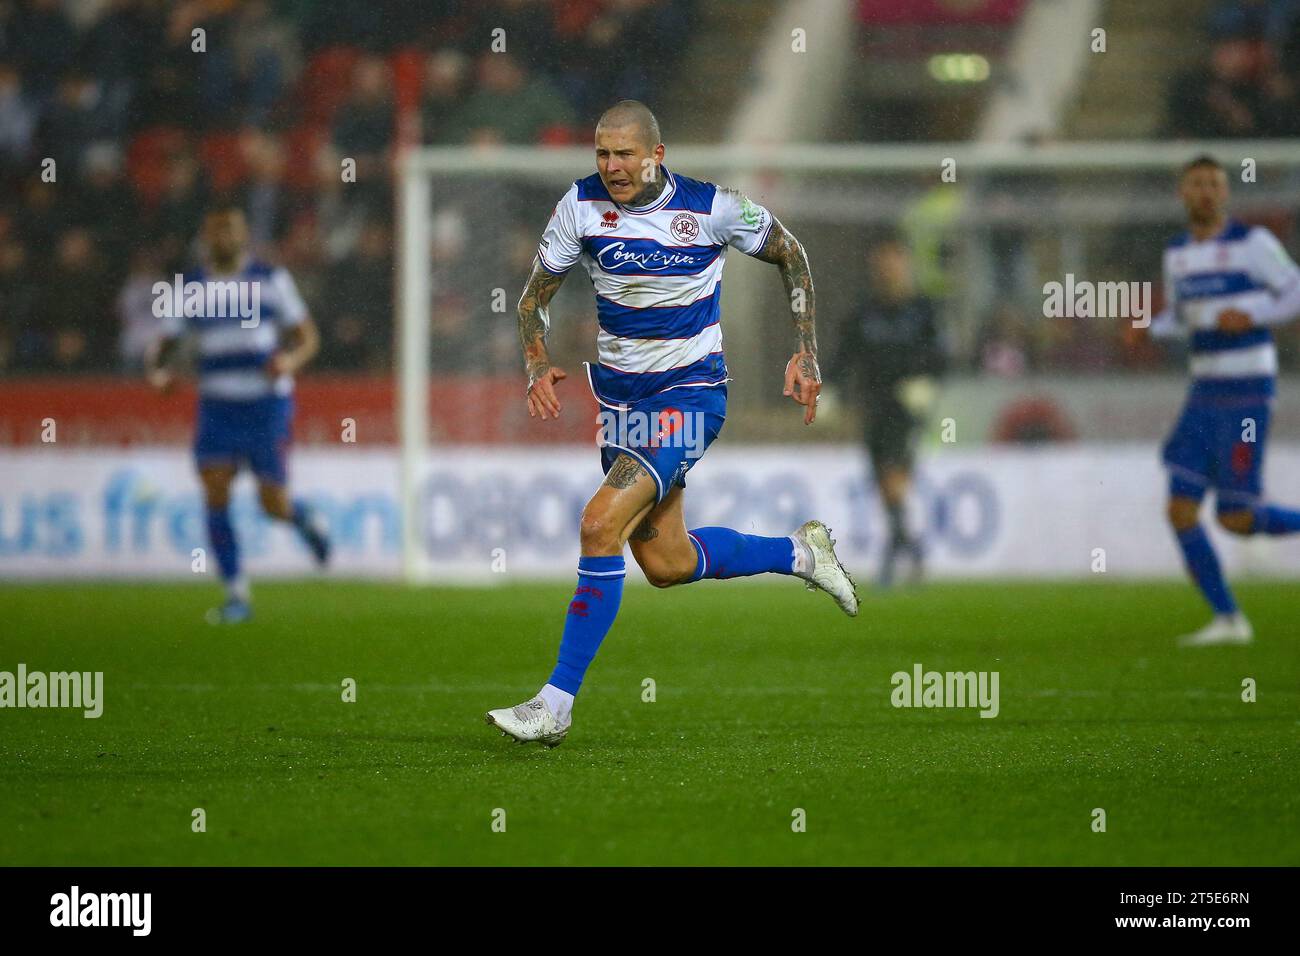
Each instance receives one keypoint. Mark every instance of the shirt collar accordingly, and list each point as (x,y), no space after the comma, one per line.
(670,186)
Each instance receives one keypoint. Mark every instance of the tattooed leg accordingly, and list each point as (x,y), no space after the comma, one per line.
(617,508)
(623,473)
(661,546)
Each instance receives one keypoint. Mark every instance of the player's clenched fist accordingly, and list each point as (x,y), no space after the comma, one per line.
(162,379)
(803,383)
(542,399)
(1234,321)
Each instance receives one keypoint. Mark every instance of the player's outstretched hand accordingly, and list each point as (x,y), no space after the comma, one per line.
(1234,321)
(803,382)
(542,399)
(162,379)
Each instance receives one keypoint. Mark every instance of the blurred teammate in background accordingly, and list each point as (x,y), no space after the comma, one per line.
(1226,284)
(891,349)
(252,333)
(653,243)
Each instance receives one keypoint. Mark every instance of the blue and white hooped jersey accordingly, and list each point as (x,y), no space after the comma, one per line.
(1244,267)
(232,349)
(657,271)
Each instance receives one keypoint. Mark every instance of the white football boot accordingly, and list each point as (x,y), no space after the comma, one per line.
(1223,629)
(530,721)
(822,570)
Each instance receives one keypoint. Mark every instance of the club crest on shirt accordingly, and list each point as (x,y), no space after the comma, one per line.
(685,227)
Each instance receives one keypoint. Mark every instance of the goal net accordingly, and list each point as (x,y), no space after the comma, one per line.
(988,228)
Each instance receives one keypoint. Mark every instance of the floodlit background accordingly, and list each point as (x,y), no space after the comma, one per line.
(1061,125)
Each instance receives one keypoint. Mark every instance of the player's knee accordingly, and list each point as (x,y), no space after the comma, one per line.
(660,580)
(275,501)
(598,534)
(893,485)
(216,492)
(1241,521)
(1182,513)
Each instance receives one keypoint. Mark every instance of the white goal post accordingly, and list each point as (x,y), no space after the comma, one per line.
(420,171)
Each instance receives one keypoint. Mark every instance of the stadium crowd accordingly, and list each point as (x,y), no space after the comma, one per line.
(1248,83)
(120,120)
(118,127)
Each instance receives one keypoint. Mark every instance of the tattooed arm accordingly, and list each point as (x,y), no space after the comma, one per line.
(534,322)
(803,380)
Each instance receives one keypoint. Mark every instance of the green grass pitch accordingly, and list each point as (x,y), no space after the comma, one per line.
(767,700)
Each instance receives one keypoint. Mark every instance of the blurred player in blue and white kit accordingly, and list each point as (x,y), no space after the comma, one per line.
(252,333)
(653,243)
(1226,286)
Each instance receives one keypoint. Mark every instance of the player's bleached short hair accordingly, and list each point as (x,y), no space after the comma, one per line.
(633,113)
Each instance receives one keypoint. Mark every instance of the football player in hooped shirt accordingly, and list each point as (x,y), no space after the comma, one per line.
(1226,285)
(653,242)
(245,372)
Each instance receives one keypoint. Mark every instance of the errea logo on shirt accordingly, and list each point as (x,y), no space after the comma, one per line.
(609,220)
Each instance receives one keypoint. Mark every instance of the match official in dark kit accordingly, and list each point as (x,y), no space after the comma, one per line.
(891,353)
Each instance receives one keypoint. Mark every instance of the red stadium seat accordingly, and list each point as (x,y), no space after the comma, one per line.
(146,161)
(326,82)
(302,144)
(223,160)
(408,79)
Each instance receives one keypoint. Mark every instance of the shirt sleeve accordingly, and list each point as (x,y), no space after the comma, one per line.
(739,221)
(293,311)
(1270,263)
(561,243)
(1272,266)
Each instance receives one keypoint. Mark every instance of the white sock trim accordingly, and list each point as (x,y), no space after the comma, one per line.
(559,701)
(803,559)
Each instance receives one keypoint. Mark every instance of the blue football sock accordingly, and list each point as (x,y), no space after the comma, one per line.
(221,537)
(591,615)
(723,553)
(1270,519)
(1203,565)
